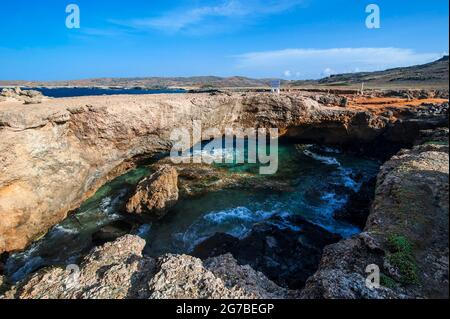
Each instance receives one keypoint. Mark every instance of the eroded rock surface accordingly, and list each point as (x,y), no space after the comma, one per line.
(24,96)
(56,154)
(156,194)
(406,235)
(287,250)
(118,271)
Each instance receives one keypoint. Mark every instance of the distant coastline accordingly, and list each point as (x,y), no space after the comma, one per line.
(73,91)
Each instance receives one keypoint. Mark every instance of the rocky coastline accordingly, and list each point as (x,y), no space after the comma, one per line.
(83,142)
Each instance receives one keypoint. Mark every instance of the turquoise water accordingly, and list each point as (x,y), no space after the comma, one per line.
(316,181)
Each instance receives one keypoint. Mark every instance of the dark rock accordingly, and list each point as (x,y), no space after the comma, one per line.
(331,100)
(111,232)
(357,208)
(343,102)
(286,250)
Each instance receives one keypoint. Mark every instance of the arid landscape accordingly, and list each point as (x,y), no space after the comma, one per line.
(56,153)
(221,158)
(432,75)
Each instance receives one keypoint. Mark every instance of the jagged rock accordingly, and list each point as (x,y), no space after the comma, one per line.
(186,277)
(331,100)
(83,142)
(26,96)
(254,283)
(118,270)
(286,250)
(155,195)
(111,232)
(356,210)
(410,211)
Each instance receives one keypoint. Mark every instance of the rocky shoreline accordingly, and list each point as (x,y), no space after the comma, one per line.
(87,141)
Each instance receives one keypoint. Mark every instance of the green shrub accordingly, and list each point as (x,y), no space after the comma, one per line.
(401,257)
(398,243)
(387,281)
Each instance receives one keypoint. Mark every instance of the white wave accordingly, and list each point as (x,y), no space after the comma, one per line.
(328,149)
(347,180)
(144,230)
(63,229)
(242,214)
(108,204)
(332,203)
(236,221)
(345,173)
(324,159)
(105,204)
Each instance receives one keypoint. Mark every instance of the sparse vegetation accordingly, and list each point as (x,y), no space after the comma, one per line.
(387,281)
(401,257)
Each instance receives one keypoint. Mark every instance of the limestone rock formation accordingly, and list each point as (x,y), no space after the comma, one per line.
(181,277)
(111,271)
(155,195)
(25,96)
(56,154)
(118,271)
(406,235)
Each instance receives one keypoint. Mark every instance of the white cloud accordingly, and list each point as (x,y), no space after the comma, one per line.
(327,72)
(287,73)
(314,63)
(185,18)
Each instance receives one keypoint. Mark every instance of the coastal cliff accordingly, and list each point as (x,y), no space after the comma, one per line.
(406,236)
(56,154)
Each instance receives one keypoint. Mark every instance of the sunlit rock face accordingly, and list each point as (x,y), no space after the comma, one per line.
(118,270)
(155,195)
(56,154)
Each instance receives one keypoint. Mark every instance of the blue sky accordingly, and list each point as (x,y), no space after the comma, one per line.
(293,39)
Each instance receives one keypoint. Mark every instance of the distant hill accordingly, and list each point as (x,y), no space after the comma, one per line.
(430,73)
(153,82)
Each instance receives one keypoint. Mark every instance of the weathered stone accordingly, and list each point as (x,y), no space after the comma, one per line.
(111,232)
(287,255)
(25,96)
(118,270)
(155,195)
(410,207)
(81,143)
(115,271)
